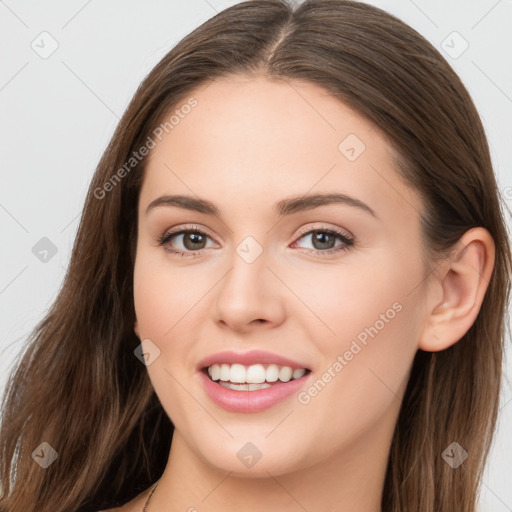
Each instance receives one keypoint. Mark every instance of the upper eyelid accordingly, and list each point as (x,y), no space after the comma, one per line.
(340,232)
(186,229)
(302,231)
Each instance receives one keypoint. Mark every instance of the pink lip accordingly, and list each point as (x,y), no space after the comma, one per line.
(250,401)
(249,358)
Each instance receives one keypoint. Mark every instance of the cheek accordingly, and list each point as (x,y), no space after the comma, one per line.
(361,296)
(150,299)
(161,305)
(162,293)
(359,387)
(376,315)
(171,304)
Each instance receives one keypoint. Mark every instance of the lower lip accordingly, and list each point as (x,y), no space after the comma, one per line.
(250,401)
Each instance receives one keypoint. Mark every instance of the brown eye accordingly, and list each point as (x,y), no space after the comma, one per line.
(324,240)
(193,240)
(190,239)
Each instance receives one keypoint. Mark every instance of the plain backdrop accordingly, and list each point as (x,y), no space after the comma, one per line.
(68,70)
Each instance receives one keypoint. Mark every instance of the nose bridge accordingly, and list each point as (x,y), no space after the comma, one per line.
(248,292)
(249,269)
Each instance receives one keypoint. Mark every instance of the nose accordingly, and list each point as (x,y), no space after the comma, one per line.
(250,295)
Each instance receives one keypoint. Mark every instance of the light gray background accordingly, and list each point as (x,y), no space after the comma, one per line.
(59,112)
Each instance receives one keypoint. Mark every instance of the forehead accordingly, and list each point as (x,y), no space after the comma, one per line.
(257,119)
(259,139)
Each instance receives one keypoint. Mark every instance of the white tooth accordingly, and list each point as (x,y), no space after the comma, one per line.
(255,387)
(224,372)
(236,387)
(244,387)
(237,373)
(285,373)
(215,371)
(272,373)
(298,373)
(255,374)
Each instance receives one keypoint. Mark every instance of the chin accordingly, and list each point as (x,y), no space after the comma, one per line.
(252,456)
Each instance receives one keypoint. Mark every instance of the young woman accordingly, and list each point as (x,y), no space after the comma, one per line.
(288,287)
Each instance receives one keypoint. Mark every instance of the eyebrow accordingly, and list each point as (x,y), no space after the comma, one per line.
(282,208)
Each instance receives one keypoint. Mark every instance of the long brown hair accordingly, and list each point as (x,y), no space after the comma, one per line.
(80,388)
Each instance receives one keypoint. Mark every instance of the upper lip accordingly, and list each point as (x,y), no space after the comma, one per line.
(248,359)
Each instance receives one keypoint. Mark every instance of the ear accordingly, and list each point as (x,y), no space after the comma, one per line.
(136,329)
(458,290)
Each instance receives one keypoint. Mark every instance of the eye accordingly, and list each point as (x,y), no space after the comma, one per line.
(193,240)
(324,240)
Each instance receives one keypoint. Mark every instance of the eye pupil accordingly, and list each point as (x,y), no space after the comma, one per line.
(320,236)
(195,239)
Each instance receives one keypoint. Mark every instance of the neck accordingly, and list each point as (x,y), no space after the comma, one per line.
(348,481)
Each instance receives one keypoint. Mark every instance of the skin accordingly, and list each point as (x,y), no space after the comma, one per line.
(248,144)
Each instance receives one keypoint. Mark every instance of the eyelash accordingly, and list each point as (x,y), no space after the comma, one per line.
(167,236)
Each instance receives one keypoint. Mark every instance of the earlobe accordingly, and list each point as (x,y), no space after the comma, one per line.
(463,279)
(136,329)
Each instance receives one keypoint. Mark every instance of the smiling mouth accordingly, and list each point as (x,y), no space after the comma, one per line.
(255,377)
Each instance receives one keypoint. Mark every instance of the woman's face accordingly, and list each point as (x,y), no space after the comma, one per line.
(336,288)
